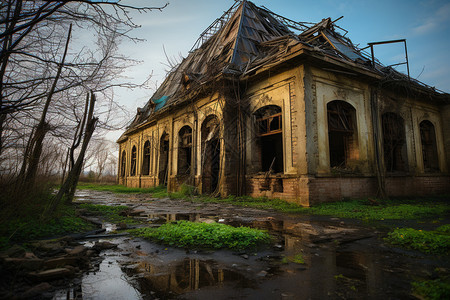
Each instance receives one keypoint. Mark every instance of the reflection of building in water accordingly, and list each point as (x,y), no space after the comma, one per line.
(330,270)
(175,217)
(188,275)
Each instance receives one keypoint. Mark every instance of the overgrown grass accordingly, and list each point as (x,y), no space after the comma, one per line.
(206,236)
(433,289)
(25,223)
(433,242)
(358,209)
(110,213)
(159,191)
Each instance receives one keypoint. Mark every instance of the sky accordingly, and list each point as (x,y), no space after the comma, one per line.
(424,24)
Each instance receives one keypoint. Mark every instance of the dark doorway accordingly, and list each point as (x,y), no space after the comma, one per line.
(394,142)
(342,140)
(184,151)
(429,147)
(210,155)
(163,159)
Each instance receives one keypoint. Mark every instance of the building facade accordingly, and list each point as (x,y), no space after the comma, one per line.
(270,107)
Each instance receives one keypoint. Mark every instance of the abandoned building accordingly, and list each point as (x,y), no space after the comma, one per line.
(266,106)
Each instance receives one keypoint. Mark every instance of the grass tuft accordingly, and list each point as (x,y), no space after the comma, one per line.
(202,235)
(433,289)
(426,241)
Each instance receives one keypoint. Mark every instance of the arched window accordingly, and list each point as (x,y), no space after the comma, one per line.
(342,134)
(429,147)
(210,154)
(146,159)
(123,163)
(133,162)
(163,159)
(394,142)
(269,127)
(184,150)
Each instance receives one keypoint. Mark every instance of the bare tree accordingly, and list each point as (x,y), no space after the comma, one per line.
(44,78)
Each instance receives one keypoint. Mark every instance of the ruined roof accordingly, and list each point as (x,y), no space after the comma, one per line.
(248,38)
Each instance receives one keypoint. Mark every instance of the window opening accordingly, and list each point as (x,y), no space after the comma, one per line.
(163,159)
(429,147)
(270,138)
(123,164)
(133,161)
(394,142)
(146,160)
(342,134)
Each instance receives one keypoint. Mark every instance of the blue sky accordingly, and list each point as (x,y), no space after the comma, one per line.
(424,24)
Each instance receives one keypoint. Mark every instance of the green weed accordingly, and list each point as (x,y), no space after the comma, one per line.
(356,209)
(24,228)
(297,259)
(425,241)
(202,235)
(433,289)
(444,228)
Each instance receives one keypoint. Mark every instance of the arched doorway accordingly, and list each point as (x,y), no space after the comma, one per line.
(342,134)
(210,154)
(429,147)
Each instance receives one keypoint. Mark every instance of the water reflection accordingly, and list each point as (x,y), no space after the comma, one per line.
(181,277)
(109,282)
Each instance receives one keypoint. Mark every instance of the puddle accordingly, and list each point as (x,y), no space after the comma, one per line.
(108,282)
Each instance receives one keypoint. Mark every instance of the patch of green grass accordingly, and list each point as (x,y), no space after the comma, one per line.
(425,241)
(202,235)
(160,191)
(444,228)
(433,289)
(110,213)
(357,209)
(26,228)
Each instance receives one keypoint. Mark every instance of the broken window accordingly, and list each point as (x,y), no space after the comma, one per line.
(184,150)
(163,159)
(133,161)
(429,147)
(342,133)
(210,154)
(394,142)
(146,159)
(270,138)
(123,164)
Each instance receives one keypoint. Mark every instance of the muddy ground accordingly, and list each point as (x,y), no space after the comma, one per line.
(343,259)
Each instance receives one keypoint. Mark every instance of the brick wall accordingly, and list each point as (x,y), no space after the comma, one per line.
(311,191)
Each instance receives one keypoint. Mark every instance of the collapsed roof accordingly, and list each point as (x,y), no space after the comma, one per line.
(248,38)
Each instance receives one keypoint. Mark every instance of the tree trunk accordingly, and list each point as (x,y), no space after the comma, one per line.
(32,162)
(69,186)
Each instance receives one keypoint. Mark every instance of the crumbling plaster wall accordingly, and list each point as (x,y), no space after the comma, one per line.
(445,118)
(329,87)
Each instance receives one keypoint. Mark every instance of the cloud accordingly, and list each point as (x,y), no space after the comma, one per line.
(438,19)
